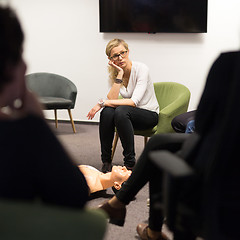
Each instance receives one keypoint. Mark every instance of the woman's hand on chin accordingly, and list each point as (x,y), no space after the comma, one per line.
(119,69)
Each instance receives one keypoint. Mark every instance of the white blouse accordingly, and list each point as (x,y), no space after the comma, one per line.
(140,88)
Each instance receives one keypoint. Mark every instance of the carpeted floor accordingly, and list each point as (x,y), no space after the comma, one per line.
(85,149)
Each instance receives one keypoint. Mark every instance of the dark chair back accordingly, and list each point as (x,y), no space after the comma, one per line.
(55,92)
(52,85)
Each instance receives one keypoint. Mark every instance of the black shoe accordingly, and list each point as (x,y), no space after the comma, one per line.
(106,167)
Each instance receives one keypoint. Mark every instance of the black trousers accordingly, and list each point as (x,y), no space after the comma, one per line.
(125,119)
(145,171)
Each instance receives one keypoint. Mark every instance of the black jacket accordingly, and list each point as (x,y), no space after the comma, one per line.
(34,165)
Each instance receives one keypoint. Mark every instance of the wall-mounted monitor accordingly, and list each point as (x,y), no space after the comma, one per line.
(168,16)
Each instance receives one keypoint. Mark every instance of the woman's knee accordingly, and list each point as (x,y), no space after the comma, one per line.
(121,113)
(107,113)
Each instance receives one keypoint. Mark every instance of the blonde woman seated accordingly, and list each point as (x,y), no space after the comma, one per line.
(137,110)
(98,181)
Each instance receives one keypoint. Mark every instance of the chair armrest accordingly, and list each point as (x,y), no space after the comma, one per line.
(181,101)
(171,164)
(177,107)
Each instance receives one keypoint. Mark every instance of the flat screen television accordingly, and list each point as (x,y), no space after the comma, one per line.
(152,16)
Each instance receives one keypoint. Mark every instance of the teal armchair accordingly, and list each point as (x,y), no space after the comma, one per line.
(35,221)
(173,99)
(55,92)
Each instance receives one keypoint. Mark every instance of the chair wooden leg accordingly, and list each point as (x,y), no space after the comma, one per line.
(56,121)
(145,141)
(71,119)
(114,144)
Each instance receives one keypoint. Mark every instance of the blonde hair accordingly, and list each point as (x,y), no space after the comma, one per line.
(112,44)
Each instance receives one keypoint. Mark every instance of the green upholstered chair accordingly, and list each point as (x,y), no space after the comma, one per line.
(35,221)
(173,99)
(54,91)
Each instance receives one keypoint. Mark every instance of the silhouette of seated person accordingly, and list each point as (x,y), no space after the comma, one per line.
(217,124)
(98,181)
(34,164)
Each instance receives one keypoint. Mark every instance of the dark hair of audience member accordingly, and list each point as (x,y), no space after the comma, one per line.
(11,43)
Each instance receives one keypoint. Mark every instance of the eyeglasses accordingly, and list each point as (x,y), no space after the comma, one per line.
(116,56)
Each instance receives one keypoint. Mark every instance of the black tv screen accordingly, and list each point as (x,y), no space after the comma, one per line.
(169,16)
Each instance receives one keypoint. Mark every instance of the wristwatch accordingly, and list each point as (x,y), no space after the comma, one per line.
(101,102)
(119,81)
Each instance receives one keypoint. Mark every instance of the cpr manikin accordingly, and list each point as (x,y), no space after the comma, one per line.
(98,181)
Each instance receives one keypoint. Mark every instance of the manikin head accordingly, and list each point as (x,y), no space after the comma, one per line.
(119,175)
